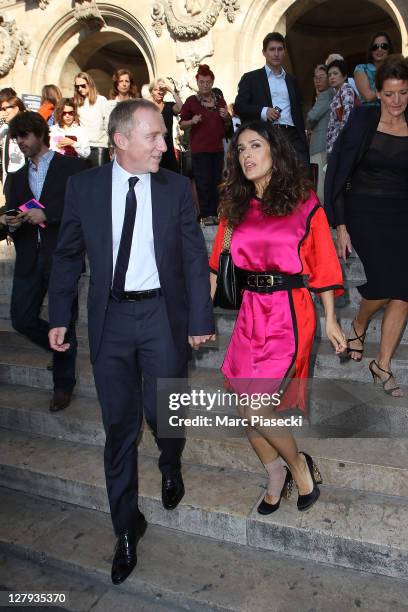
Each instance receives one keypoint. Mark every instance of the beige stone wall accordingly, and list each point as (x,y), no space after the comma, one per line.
(59,42)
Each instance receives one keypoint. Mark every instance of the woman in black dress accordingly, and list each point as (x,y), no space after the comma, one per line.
(158,89)
(367,184)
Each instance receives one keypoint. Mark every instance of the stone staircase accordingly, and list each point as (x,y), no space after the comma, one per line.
(214,552)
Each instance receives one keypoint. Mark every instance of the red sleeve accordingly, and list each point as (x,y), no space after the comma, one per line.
(46,109)
(319,256)
(217,246)
(187,111)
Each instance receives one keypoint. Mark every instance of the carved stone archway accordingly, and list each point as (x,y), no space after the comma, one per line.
(68,33)
(248,48)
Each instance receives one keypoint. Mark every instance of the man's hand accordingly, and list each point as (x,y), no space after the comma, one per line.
(14,221)
(56,337)
(35,216)
(196,341)
(272,114)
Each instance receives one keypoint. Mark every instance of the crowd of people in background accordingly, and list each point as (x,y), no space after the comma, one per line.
(203,123)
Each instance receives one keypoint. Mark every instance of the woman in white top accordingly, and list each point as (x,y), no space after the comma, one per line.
(123,88)
(67,136)
(93,112)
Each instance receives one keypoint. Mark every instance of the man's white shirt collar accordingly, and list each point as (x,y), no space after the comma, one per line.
(121,175)
(281,75)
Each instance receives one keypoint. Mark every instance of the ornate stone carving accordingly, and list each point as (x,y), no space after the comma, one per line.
(87,12)
(190,19)
(231,7)
(12,43)
(43,4)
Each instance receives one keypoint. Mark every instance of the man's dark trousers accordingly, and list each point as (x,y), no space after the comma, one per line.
(137,342)
(27,298)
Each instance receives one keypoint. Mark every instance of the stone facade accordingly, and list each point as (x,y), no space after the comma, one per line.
(48,41)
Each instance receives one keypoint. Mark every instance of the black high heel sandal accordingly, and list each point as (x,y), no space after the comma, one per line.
(305,502)
(361,338)
(377,378)
(265,508)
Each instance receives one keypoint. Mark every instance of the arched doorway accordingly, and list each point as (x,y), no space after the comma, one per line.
(100,54)
(344,27)
(70,46)
(283,15)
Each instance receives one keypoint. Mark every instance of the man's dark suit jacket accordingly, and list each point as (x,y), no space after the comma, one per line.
(181,256)
(350,147)
(254,94)
(52,197)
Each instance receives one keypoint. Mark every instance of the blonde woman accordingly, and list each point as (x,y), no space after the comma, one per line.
(158,89)
(93,112)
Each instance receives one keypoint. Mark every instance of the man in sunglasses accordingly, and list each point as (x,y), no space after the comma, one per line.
(40,186)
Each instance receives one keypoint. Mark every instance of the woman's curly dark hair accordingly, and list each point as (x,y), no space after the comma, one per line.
(288,187)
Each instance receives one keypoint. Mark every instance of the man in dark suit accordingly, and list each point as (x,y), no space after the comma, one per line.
(43,178)
(148,300)
(271,94)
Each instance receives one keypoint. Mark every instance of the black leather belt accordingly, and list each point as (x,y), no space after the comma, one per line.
(268,282)
(284,126)
(136,296)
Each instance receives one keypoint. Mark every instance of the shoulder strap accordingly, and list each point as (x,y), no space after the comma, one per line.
(226,243)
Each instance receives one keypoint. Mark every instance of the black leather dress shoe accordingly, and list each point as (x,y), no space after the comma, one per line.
(60,400)
(172,491)
(125,556)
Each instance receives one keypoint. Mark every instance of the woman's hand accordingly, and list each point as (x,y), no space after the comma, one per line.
(335,335)
(343,242)
(196,119)
(64,142)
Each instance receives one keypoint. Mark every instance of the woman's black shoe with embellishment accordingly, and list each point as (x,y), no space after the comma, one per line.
(265,508)
(305,502)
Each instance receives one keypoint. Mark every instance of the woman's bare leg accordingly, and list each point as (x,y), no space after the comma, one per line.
(366,311)
(393,322)
(285,446)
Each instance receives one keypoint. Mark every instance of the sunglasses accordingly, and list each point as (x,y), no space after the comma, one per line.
(4,108)
(376,46)
(81,86)
(70,113)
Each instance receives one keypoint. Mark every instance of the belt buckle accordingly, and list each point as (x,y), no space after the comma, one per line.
(252,280)
(264,280)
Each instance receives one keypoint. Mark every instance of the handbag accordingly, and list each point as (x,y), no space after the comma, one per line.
(228,294)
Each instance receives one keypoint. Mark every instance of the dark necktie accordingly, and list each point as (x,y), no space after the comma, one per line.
(122,260)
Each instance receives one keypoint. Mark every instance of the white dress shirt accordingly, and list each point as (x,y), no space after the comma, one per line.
(280,97)
(142,272)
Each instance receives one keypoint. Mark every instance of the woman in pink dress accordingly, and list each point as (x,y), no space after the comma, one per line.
(282,245)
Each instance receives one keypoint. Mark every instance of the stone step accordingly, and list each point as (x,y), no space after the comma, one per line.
(226,320)
(21,362)
(347,528)
(374,465)
(24,569)
(325,363)
(52,547)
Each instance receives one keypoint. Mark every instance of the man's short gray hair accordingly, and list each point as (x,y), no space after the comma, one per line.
(121,118)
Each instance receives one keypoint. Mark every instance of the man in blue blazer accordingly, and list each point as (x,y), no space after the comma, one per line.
(149,299)
(271,94)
